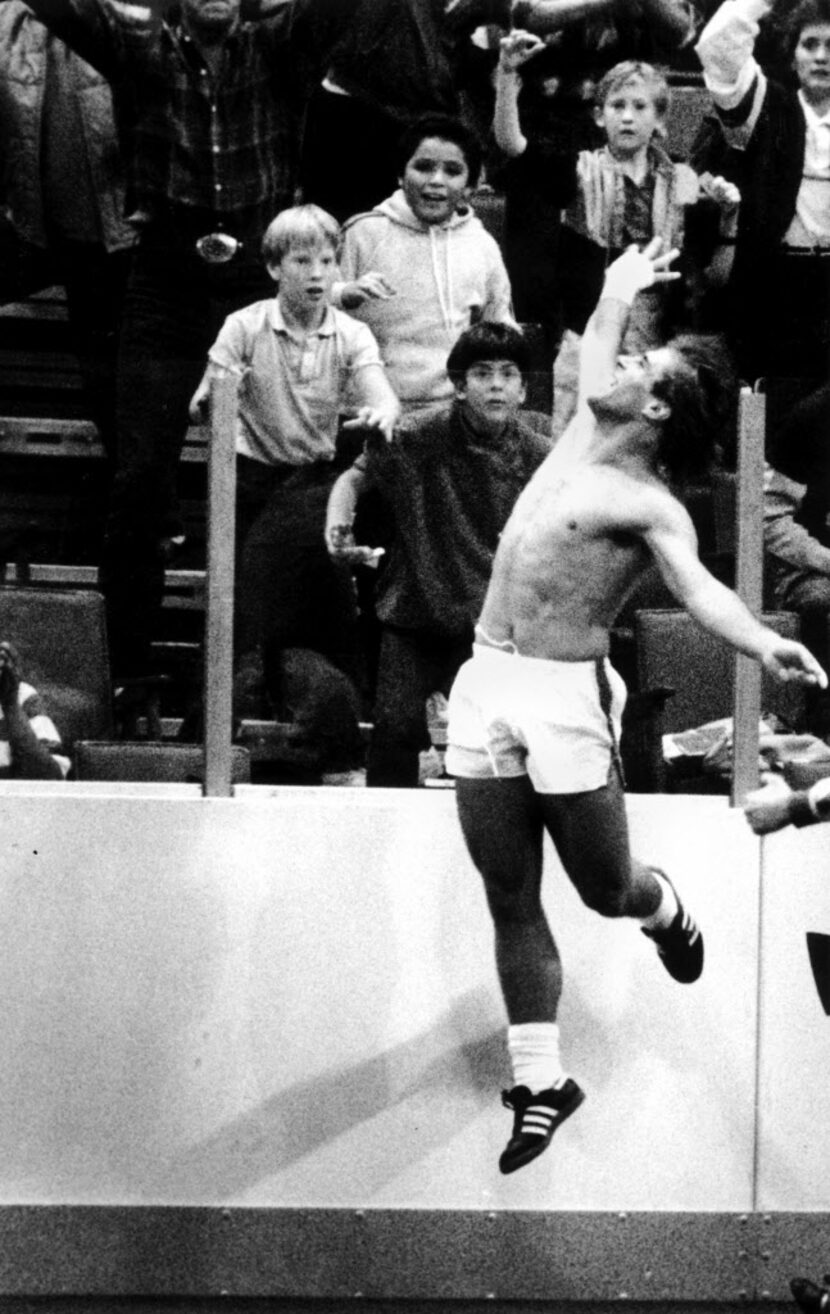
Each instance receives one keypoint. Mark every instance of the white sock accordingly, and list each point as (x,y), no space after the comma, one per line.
(666,910)
(534,1053)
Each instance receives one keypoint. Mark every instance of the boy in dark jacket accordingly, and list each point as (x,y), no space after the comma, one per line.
(449,479)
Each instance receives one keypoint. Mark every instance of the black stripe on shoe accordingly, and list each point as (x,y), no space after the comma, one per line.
(536,1118)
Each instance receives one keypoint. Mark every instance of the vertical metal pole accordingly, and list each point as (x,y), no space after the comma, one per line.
(749,586)
(221,504)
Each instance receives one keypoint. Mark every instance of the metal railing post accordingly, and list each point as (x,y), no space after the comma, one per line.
(221,506)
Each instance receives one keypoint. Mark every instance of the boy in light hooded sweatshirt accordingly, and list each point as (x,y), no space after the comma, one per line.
(420,268)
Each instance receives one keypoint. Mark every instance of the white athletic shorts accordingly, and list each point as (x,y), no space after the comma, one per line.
(557,722)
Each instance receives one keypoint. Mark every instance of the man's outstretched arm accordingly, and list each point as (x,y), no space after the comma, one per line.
(671,539)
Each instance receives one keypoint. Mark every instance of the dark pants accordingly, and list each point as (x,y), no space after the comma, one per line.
(174,308)
(289,593)
(413,664)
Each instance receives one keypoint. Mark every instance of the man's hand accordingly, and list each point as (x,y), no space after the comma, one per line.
(10,675)
(371,286)
(786,660)
(768,809)
(516,49)
(636,270)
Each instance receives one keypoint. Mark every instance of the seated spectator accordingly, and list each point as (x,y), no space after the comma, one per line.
(450,479)
(30,746)
(796,533)
(627,191)
(420,268)
(295,356)
(773,141)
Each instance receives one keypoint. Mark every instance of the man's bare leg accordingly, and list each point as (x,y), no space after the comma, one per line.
(504,832)
(590,831)
(503,828)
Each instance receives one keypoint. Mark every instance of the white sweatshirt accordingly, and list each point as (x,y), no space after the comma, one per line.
(445,276)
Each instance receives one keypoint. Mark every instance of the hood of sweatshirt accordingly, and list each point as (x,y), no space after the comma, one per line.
(397,208)
(446,276)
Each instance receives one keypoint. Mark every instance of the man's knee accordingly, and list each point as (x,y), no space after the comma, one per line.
(607,900)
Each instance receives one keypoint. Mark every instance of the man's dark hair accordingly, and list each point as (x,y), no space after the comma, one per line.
(488,341)
(702,392)
(805,14)
(447,128)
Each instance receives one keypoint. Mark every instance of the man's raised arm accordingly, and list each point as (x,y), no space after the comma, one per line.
(629,274)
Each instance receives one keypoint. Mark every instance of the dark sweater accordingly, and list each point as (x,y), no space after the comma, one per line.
(450,491)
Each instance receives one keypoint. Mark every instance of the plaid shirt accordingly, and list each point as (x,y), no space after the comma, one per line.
(221,143)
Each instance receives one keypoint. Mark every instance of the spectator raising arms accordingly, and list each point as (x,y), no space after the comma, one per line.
(774,142)
(627,191)
(207,108)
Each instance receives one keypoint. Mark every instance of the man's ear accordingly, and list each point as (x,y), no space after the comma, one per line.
(273,270)
(656,410)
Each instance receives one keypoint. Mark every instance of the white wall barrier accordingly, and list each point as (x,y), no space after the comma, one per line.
(287,1001)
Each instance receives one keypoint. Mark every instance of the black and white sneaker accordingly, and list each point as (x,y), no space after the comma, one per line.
(536,1119)
(680,945)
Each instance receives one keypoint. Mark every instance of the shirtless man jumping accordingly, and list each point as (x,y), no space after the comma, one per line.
(534,718)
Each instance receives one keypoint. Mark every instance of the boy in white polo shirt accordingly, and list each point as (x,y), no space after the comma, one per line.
(299,359)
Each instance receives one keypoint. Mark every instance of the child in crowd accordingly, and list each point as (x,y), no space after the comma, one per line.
(297,357)
(449,479)
(625,192)
(30,746)
(420,268)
